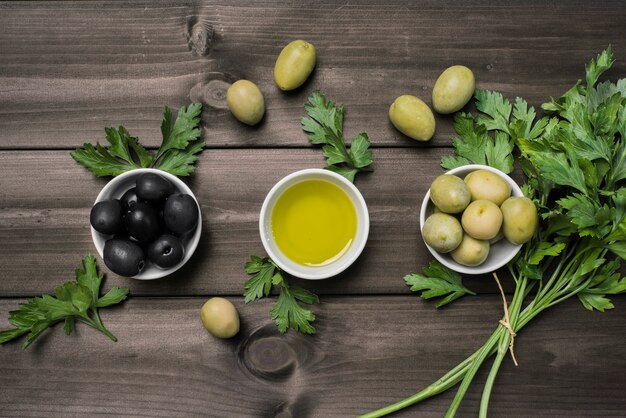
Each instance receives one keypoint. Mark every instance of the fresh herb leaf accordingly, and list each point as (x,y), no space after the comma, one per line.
(545,249)
(112,297)
(177,154)
(599,65)
(495,110)
(438,280)
(474,146)
(287,311)
(185,129)
(324,126)
(100,161)
(73,301)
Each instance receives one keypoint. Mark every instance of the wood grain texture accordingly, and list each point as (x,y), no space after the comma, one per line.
(69,69)
(166,364)
(44,227)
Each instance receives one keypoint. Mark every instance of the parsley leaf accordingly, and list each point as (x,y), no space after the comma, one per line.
(176,155)
(73,301)
(596,67)
(496,110)
(287,311)
(474,146)
(324,126)
(607,281)
(438,280)
(185,129)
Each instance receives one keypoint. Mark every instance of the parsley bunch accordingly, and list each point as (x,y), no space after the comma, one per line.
(287,311)
(325,126)
(73,301)
(575,162)
(177,154)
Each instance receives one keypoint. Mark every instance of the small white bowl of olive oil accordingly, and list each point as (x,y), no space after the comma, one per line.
(314,224)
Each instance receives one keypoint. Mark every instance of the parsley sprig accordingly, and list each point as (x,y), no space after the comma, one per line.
(73,301)
(287,311)
(177,154)
(489,138)
(575,161)
(438,280)
(325,126)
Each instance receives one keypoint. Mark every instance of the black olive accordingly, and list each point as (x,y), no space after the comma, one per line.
(180,213)
(142,222)
(106,216)
(129,198)
(123,256)
(151,186)
(166,251)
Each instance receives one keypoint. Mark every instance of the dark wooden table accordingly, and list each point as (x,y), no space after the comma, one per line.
(69,69)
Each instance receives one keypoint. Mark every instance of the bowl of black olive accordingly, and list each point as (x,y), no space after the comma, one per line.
(145,224)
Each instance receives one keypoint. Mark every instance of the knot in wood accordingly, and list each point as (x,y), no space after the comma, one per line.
(212,92)
(199,36)
(270,358)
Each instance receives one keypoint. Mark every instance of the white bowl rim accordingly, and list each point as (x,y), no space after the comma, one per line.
(445,259)
(192,241)
(345,262)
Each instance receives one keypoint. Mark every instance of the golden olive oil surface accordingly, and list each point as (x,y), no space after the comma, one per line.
(313,222)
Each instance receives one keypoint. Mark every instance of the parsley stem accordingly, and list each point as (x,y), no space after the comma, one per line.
(87,320)
(444,383)
(483,353)
(505,341)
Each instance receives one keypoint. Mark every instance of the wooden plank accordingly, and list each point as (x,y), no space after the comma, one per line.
(75,68)
(368,352)
(44,224)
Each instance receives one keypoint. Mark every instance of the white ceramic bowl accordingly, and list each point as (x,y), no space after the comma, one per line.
(343,262)
(500,253)
(115,188)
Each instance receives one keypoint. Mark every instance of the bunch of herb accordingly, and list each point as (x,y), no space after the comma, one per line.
(575,163)
(177,154)
(287,311)
(73,301)
(325,126)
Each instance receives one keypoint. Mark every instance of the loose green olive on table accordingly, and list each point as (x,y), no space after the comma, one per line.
(245,101)
(220,317)
(453,89)
(294,64)
(411,116)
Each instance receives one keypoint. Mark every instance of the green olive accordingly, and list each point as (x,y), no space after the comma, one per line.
(484,184)
(453,89)
(411,116)
(294,65)
(449,193)
(443,232)
(470,252)
(246,102)
(220,317)
(482,219)
(519,219)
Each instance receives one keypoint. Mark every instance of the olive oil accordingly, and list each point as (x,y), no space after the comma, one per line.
(313,222)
